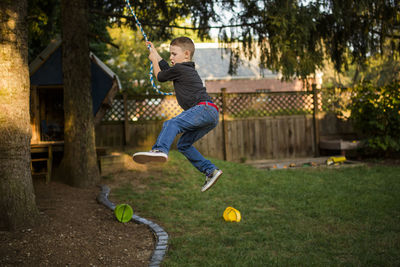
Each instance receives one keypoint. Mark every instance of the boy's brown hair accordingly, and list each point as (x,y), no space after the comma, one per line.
(185,43)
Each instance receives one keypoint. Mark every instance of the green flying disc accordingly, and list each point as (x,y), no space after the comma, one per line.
(123,212)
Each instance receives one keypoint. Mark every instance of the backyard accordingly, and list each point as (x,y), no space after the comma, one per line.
(290,79)
(326,216)
(302,217)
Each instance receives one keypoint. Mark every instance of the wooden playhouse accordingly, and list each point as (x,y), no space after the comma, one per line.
(46,102)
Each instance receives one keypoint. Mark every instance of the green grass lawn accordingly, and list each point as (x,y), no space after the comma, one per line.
(301,217)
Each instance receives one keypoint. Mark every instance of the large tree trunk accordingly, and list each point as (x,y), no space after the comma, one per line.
(79,163)
(17,198)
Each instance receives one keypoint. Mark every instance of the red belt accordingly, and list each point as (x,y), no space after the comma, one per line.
(209,104)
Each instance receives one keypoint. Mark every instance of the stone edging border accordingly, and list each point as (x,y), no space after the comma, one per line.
(161,236)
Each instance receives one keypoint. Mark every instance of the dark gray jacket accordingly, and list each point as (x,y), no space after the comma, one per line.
(188,86)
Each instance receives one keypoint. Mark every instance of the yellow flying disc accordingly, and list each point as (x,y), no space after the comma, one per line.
(232,215)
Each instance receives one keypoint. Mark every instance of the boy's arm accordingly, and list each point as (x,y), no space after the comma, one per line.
(161,69)
(155,58)
(163,65)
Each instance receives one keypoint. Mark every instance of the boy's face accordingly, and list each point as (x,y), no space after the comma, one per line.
(178,55)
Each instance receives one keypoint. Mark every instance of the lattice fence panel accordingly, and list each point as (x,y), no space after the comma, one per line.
(116,112)
(217,100)
(271,104)
(150,108)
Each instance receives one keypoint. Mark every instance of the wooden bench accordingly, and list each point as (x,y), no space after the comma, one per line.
(339,145)
(45,150)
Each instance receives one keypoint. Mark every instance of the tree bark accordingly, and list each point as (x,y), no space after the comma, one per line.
(79,164)
(17,198)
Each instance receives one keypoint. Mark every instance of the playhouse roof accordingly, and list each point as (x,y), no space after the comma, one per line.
(46,70)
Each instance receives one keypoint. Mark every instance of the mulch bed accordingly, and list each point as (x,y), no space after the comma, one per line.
(74,230)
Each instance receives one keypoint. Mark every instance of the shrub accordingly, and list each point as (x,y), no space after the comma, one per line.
(375,113)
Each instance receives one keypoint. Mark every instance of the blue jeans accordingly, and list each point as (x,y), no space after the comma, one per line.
(194,123)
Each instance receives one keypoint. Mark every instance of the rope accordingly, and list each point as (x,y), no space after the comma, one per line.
(148,47)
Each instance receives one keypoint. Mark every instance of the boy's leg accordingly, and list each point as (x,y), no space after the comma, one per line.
(160,150)
(185,146)
(167,135)
(208,117)
(195,122)
(200,119)
(193,155)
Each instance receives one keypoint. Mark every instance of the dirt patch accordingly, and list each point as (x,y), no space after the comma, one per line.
(74,230)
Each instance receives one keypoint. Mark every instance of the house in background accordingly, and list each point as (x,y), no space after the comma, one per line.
(46,93)
(212,64)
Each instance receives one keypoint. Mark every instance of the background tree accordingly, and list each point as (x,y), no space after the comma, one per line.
(79,164)
(17,200)
(295,37)
(44,24)
(377,70)
(130,60)
(44,21)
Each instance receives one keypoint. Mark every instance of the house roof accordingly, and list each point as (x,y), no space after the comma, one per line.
(53,46)
(212,63)
(43,56)
(46,69)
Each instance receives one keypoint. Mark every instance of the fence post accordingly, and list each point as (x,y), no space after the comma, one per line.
(316,119)
(224,124)
(126,121)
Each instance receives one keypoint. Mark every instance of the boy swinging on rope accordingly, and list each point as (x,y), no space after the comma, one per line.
(200,114)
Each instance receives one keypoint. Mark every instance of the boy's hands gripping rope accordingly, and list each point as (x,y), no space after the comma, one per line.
(153,56)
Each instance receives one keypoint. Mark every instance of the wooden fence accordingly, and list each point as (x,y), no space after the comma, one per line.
(252,126)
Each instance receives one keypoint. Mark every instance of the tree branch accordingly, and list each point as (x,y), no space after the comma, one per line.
(394,36)
(115,15)
(98,37)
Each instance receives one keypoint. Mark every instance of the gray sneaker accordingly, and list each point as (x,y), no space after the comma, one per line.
(211,180)
(151,156)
